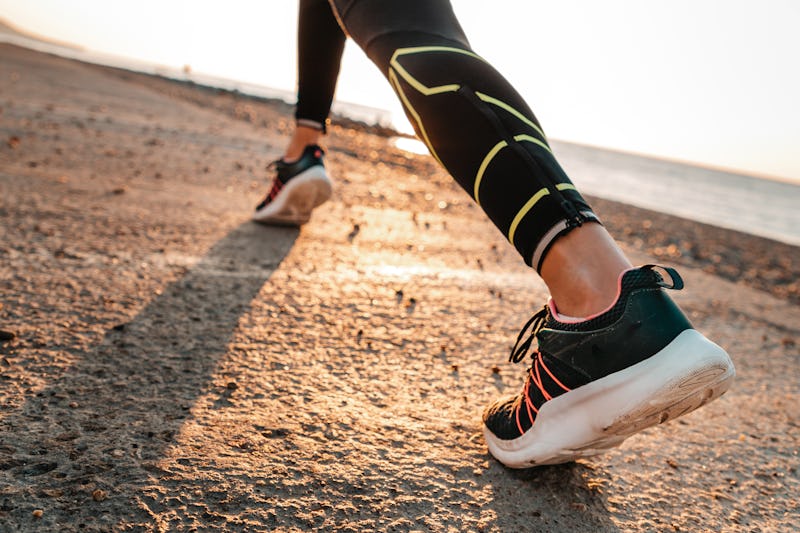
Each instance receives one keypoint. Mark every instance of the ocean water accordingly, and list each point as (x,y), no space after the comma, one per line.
(759,206)
(764,207)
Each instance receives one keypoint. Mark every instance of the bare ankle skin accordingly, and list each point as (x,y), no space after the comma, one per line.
(582,268)
(303,136)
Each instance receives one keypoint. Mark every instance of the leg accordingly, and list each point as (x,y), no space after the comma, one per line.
(635,360)
(320,43)
(503,160)
(301,183)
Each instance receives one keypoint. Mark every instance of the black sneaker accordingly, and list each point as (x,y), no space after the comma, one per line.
(594,382)
(298,188)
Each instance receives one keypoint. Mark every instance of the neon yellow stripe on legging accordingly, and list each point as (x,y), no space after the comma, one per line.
(427,91)
(396,68)
(484,164)
(533,140)
(493,152)
(541,193)
(503,105)
(419,86)
(424,134)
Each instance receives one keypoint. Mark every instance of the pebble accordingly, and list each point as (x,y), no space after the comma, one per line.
(6,335)
(99,495)
(37,513)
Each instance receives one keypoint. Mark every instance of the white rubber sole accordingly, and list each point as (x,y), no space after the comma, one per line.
(298,198)
(688,373)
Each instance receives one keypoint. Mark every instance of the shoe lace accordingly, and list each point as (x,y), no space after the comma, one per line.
(538,367)
(521,348)
(276,185)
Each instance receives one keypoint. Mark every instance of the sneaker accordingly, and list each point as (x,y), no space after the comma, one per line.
(298,188)
(594,382)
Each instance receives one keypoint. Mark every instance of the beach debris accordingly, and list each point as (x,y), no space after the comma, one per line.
(353,232)
(495,369)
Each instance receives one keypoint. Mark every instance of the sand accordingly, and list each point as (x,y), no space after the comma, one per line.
(167,365)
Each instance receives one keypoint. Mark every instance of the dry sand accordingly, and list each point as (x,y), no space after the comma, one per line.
(175,367)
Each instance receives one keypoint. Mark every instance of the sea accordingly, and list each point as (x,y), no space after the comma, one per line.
(756,205)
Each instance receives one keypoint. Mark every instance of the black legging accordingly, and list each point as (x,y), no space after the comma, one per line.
(472,120)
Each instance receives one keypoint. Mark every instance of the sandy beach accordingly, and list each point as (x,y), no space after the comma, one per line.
(167,365)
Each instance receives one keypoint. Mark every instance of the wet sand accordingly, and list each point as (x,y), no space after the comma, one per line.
(168,365)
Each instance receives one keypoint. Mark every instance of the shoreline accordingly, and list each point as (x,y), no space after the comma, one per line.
(377,126)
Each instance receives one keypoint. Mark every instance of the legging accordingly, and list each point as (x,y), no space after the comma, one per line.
(471,119)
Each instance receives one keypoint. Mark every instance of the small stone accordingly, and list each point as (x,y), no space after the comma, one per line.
(6,335)
(454,368)
(99,495)
(37,513)
(495,369)
(73,405)
(232,385)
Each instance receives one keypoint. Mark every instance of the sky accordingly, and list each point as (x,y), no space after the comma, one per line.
(713,82)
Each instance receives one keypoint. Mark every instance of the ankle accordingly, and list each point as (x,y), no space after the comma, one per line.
(590,294)
(302,137)
(582,271)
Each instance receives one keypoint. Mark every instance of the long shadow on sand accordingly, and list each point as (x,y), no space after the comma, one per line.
(106,421)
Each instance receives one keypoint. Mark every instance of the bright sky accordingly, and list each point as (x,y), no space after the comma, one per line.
(709,81)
